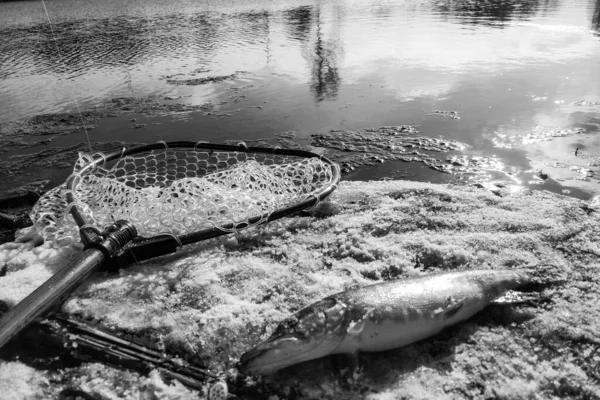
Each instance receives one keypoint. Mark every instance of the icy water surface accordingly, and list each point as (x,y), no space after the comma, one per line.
(515,83)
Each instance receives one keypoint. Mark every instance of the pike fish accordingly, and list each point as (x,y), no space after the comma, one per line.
(385,316)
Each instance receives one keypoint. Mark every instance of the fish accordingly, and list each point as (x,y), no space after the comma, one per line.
(387,315)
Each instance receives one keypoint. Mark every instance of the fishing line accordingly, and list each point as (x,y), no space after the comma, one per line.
(268,43)
(70,83)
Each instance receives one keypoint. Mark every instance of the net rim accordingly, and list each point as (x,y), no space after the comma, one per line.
(98,159)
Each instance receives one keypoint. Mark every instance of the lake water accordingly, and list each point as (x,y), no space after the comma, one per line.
(522,76)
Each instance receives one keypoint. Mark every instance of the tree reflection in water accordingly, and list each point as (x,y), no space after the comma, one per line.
(299,23)
(487,12)
(596,17)
(321,54)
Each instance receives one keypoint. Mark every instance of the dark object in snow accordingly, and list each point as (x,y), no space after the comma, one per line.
(388,315)
(14,214)
(86,343)
(542,175)
(14,221)
(75,394)
(24,199)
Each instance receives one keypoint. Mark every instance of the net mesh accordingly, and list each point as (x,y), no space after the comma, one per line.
(179,191)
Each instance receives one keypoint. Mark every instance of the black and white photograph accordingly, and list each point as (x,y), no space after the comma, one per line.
(299,199)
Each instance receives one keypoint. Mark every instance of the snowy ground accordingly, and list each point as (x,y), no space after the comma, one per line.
(218,299)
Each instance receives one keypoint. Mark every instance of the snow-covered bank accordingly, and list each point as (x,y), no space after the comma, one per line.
(226,295)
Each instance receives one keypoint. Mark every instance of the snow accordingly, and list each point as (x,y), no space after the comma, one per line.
(226,295)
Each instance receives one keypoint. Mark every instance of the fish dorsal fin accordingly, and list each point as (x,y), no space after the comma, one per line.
(449,309)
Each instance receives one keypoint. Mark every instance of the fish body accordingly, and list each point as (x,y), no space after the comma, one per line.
(380,317)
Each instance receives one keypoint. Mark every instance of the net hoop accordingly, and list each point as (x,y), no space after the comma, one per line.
(89,164)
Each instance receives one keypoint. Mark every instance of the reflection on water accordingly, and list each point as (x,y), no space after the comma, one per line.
(505,66)
(125,41)
(325,78)
(304,24)
(488,12)
(596,17)
(299,22)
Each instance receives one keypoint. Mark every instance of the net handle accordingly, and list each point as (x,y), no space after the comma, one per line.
(52,292)
(58,287)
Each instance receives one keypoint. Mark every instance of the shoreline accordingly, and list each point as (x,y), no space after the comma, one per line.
(40,151)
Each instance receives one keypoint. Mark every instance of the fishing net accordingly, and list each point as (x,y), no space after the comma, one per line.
(180,190)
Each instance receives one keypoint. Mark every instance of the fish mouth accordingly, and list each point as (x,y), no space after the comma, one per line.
(313,332)
(273,355)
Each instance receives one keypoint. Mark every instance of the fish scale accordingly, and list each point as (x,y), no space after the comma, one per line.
(387,315)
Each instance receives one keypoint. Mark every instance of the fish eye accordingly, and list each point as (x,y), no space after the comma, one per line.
(287,326)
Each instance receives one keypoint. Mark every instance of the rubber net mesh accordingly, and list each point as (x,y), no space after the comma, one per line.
(181,191)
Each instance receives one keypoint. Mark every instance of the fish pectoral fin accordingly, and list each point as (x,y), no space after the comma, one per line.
(449,310)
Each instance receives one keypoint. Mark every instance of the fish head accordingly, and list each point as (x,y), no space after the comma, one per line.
(313,332)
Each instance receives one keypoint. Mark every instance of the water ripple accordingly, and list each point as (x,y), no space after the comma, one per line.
(98,44)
